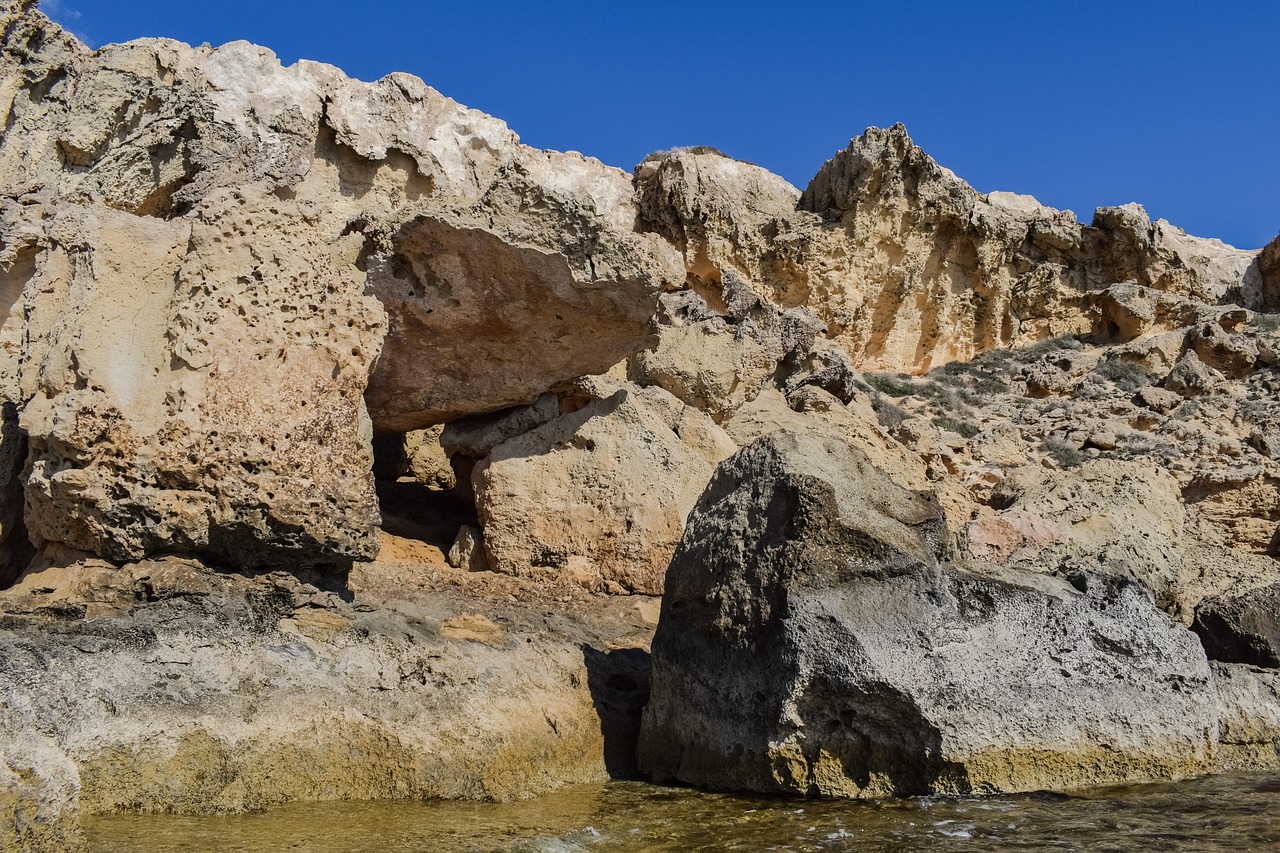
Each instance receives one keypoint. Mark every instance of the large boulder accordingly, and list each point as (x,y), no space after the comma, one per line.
(813,641)
(598,494)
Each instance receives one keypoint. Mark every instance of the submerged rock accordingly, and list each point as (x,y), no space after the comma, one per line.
(813,640)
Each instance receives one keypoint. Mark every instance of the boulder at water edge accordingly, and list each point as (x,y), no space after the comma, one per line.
(814,640)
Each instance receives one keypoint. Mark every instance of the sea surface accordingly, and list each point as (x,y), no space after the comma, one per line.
(1222,813)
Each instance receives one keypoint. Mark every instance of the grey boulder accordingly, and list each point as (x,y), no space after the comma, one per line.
(814,640)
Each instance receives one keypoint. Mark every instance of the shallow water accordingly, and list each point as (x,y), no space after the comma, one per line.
(1224,813)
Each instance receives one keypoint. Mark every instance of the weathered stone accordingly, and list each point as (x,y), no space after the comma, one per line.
(810,642)
(203,251)
(211,428)
(39,792)
(599,494)
(1112,517)
(1249,699)
(1191,377)
(1243,502)
(1268,293)
(1234,356)
(908,266)
(169,687)
(425,459)
(468,550)
(723,215)
(717,362)
(476,436)
(500,318)
(1242,628)
(1130,310)
(1160,399)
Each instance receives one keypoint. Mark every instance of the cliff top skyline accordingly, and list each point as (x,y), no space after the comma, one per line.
(1083,105)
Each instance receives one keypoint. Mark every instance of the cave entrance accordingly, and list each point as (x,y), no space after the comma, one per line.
(418,490)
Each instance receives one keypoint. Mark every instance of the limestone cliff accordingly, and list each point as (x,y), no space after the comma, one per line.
(335,421)
(909,266)
(204,252)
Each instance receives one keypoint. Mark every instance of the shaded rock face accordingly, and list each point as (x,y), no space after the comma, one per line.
(1269,277)
(1242,628)
(812,642)
(202,254)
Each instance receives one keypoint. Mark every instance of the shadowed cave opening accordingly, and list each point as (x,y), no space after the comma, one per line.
(421,496)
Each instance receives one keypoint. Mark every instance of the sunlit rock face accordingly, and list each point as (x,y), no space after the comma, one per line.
(203,253)
(907,265)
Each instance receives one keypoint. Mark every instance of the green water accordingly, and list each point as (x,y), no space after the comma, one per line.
(1226,813)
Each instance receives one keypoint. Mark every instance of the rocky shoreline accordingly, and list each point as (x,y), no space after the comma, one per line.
(352,449)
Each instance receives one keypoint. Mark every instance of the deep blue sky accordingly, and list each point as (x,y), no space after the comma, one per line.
(1081,103)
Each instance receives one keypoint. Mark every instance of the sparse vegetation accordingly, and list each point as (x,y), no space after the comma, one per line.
(888,414)
(1134,451)
(684,149)
(956,368)
(1125,375)
(990,383)
(894,386)
(963,428)
(1062,453)
(1265,322)
(1039,349)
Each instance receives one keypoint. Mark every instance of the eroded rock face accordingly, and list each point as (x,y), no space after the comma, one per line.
(1242,628)
(39,792)
(1112,517)
(812,642)
(208,692)
(541,280)
(907,265)
(598,494)
(202,253)
(1269,278)
(717,361)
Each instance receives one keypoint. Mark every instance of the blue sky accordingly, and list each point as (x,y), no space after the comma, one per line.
(1172,104)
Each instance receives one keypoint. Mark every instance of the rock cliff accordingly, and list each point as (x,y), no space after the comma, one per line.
(335,421)
(205,252)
